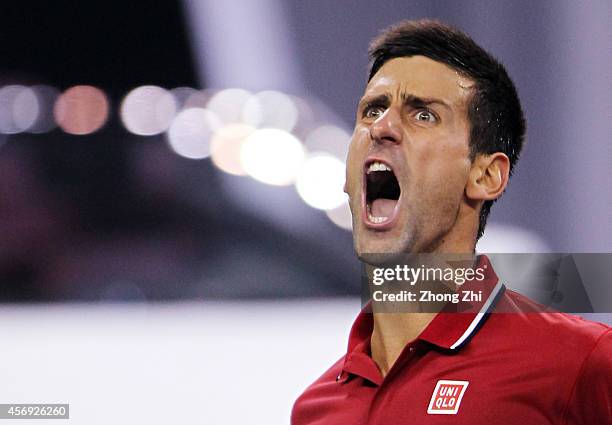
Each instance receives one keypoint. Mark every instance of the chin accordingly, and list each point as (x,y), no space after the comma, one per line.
(370,245)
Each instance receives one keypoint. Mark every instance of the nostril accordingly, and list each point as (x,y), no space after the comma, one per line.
(382,140)
(385,138)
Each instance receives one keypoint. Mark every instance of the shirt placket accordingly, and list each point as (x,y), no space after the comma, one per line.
(408,356)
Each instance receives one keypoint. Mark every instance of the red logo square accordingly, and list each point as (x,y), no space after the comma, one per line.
(446,397)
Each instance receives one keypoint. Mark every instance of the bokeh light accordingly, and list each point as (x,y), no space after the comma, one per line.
(46,96)
(191,131)
(228,104)
(270,109)
(341,216)
(182,95)
(198,99)
(18,109)
(81,110)
(320,181)
(226,146)
(272,156)
(329,138)
(305,115)
(148,110)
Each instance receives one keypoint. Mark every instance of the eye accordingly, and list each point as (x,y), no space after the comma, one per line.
(426,116)
(373,111)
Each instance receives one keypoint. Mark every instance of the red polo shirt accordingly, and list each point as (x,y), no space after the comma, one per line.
(473,368)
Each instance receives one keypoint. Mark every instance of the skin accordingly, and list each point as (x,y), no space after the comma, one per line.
(414,116)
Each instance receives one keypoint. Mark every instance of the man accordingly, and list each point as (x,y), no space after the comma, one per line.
(437,134)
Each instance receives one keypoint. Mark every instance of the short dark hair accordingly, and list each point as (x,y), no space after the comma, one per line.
(497,123)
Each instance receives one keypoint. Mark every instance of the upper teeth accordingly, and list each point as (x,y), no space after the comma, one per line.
(378,166)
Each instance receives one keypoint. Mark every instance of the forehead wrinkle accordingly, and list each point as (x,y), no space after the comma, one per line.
(405,92)
(415,76)
(420,67)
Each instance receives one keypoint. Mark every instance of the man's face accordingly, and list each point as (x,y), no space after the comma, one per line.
(408,161)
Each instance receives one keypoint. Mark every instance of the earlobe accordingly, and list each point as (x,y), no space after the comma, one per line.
(488,177)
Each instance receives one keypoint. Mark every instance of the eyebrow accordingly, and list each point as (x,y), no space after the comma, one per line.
(416,101)
(384,100)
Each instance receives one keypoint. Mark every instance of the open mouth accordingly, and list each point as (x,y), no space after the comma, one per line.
(382,193)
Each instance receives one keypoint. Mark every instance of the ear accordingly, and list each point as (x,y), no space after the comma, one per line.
(488,177)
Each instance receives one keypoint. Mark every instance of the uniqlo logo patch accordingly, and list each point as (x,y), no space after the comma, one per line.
(446,397)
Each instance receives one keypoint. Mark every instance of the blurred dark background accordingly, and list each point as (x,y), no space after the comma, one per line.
(116,215)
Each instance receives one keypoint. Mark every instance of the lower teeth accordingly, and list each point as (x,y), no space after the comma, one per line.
(374,219)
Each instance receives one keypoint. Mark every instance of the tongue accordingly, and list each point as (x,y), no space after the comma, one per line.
(382,207)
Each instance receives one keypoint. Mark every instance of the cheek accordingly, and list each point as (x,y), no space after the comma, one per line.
(351,173)
(354,161)
(444,170)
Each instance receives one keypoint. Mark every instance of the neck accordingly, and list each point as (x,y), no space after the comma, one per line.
(461,237)
(392,332)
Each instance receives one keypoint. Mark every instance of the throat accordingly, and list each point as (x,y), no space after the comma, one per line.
(392,333)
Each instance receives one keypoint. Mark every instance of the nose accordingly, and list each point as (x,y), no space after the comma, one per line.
(387,128)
